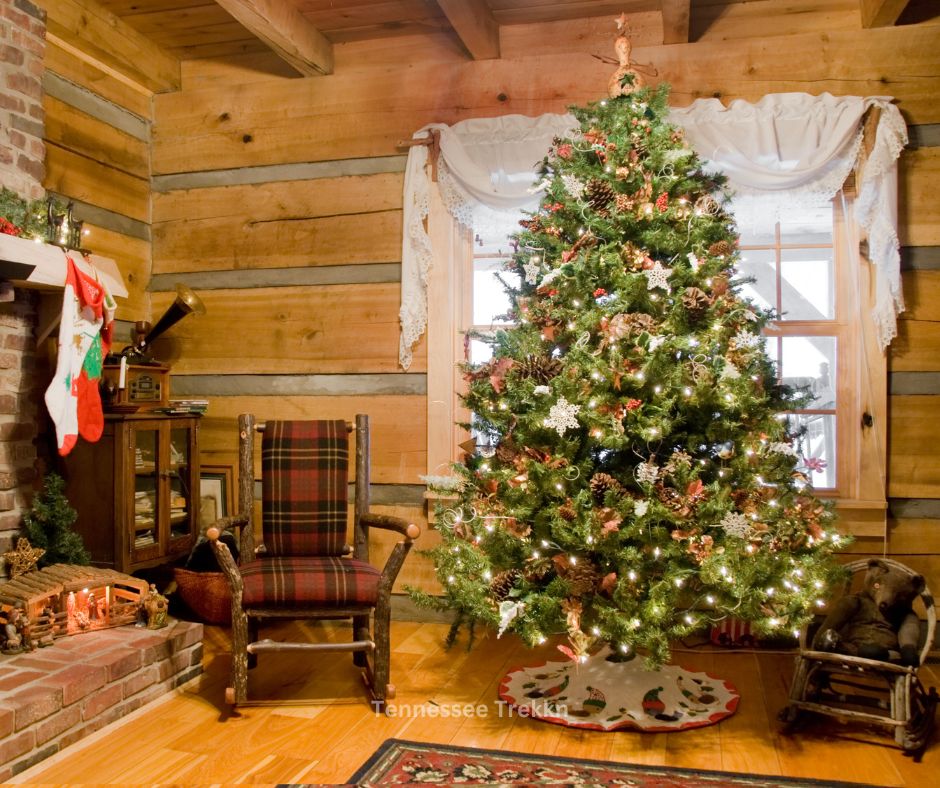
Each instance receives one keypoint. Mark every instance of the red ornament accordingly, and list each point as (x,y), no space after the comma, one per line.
(600,292)
(633,404)
(564,151)
(662,202)
(8,228)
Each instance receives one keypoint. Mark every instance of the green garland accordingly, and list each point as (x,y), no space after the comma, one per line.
(29,217)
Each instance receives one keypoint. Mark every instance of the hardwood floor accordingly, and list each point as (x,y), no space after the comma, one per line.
(315,725)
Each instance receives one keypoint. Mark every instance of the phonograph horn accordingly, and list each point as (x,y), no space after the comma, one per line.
(186,303)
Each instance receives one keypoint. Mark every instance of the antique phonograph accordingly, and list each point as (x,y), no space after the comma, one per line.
(132,379)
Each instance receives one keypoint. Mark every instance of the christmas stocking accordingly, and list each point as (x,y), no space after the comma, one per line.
(72,398)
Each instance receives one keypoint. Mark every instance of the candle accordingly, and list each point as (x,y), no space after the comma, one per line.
(122,376)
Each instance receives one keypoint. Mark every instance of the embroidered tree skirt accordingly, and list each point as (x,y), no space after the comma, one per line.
(606,695)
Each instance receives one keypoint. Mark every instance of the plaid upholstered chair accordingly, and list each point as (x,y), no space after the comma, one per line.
(304,568)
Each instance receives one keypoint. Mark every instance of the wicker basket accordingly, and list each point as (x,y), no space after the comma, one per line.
(206,594)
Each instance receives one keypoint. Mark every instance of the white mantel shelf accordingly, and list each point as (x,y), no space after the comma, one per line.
(42,266)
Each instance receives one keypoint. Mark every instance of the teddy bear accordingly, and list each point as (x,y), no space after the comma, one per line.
(878,622)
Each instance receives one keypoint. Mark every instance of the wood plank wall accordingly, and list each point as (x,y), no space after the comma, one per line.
(279,200)
(98,156)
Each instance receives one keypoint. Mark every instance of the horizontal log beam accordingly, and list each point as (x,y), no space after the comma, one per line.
(91,32)
(283,28)
(475,25)
(880,13)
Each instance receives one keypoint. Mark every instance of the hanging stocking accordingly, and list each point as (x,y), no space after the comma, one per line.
(87,315)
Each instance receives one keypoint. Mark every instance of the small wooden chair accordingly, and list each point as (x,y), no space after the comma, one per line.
(305,569)
(867,690)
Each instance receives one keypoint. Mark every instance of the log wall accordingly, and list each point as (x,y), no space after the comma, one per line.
(279,200)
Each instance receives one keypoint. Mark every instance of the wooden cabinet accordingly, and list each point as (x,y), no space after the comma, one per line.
(137,490)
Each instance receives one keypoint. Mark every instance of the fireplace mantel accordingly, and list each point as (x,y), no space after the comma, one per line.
(42,266)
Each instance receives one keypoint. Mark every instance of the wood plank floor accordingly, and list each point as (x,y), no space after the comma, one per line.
(315,726)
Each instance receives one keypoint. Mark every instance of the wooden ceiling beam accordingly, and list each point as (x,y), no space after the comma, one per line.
(676,21)
(283,28)
(475,25)
(94,34)
(881,13)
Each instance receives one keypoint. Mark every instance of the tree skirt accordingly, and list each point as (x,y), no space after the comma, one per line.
(602,694)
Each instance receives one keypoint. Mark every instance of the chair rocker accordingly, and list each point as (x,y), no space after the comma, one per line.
(304,569)
(854,688)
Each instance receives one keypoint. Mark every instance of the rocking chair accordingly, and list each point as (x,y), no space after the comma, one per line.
(304,569)
(855,688)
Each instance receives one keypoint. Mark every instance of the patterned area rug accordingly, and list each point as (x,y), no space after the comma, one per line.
(399,762)
(601,694)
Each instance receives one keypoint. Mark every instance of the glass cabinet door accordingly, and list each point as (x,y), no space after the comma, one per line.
(145,535)
(178,475)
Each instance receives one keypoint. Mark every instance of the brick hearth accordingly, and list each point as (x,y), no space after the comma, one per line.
(55,696)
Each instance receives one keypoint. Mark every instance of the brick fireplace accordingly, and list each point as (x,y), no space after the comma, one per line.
(53,697)
(22,152)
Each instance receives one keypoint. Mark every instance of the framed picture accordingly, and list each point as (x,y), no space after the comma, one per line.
(216,493)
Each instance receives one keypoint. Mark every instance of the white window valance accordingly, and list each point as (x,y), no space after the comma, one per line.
(786,147)
(794,148)
(485,173)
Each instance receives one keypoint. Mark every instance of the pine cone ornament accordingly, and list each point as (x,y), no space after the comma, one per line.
(720,249)
(601,483)
(624,203)
(695,301)
(507,451)
(599,194)
(567,512)
(503,583)
(672,499)
(541,369)
(639,322)
(582,578)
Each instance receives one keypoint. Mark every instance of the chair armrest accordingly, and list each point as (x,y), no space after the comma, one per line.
(228,523)
(389,522)
(226,561)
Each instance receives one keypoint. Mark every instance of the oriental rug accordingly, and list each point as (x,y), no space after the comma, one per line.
(608,694)
(399,762)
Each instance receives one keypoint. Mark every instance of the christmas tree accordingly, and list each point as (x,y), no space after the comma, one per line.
(48,525)
(635,478)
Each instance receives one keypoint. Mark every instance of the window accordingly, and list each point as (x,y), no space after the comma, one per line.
(795,264)
(803,269)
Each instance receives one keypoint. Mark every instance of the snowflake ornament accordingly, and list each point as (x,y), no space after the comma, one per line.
(783,448)
(561,417)
(693,261)
(736,524)
(745,338)
(573,186)
(658,276)
(541,391)
(655,342)
(729,372)
(641,507)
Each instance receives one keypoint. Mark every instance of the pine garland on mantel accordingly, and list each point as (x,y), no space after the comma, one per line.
(31,219)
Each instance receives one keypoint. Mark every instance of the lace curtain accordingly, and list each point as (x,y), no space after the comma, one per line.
(787,147)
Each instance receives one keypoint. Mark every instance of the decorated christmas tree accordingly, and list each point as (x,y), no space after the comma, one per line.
(635,478)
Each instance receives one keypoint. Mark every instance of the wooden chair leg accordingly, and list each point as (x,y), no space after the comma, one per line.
(238,692)
(381,658)
(360,628)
